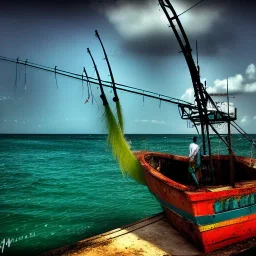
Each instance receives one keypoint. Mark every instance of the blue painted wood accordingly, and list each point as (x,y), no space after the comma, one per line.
(251,199)
(233,203)
(218,206)
(226,204)
(211,219)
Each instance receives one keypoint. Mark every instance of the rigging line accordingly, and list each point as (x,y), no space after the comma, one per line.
(190,8)
(83,84)
(138,89)
(88,93)
(241,131)
(91,92)
(26,74)
(56,77)
(19,73)
(87,82)
(224,141)
(89,85)
(77,76)
(150,94)
(251,153)
(93,97)
(42,67)
(46,67)
(16,74)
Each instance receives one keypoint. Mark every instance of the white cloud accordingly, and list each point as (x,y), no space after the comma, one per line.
(250,71)
(188,95)
(236,84)
(250,87)
(141,121)
(244,120)
(223,106)
(9,98)
(254,117)
(158,122)
(135,21)
(151,121)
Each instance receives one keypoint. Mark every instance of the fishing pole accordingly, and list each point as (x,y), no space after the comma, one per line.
(103,96)
(115,99)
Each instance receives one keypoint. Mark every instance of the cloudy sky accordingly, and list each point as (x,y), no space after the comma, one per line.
(143,53)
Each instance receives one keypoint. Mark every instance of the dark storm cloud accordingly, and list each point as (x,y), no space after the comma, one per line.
(44,8)
(224,32)
(162,44)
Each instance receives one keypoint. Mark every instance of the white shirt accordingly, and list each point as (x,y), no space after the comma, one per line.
(193,150)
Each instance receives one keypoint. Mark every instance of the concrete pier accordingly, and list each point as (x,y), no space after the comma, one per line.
(153,236)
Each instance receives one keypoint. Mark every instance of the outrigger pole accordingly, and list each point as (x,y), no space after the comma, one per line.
(231,167)
(91,80)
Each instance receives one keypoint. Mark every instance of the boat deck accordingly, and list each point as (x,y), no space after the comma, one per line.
(241,184)
(152,236)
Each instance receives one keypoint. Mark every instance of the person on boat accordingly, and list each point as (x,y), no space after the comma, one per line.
(195,161)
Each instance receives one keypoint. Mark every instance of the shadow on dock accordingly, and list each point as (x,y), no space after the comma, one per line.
(153,236)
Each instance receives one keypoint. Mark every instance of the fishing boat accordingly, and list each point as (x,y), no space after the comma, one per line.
(222,211)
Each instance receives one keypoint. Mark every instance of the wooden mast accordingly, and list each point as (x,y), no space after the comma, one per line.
(231,166)
(200,96)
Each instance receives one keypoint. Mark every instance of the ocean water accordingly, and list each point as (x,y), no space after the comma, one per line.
(58,189)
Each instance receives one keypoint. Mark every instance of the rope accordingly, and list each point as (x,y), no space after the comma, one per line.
(26,74)
(83,85)
(16,74)
(88,94)
(55,69)
(252,150)
(191,7)
(92,93)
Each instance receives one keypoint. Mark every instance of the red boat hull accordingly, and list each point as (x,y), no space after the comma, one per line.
(211,217)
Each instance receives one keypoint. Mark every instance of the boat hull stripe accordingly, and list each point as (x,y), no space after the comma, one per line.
(211,219)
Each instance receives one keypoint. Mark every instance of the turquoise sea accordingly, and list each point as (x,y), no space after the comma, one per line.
(59,189)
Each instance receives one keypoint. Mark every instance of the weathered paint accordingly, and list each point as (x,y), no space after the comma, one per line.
(232,203)
(226,235)
(227,223)
(212,219)
(216,236)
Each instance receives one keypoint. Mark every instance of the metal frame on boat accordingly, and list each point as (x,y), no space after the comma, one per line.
(223,210)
